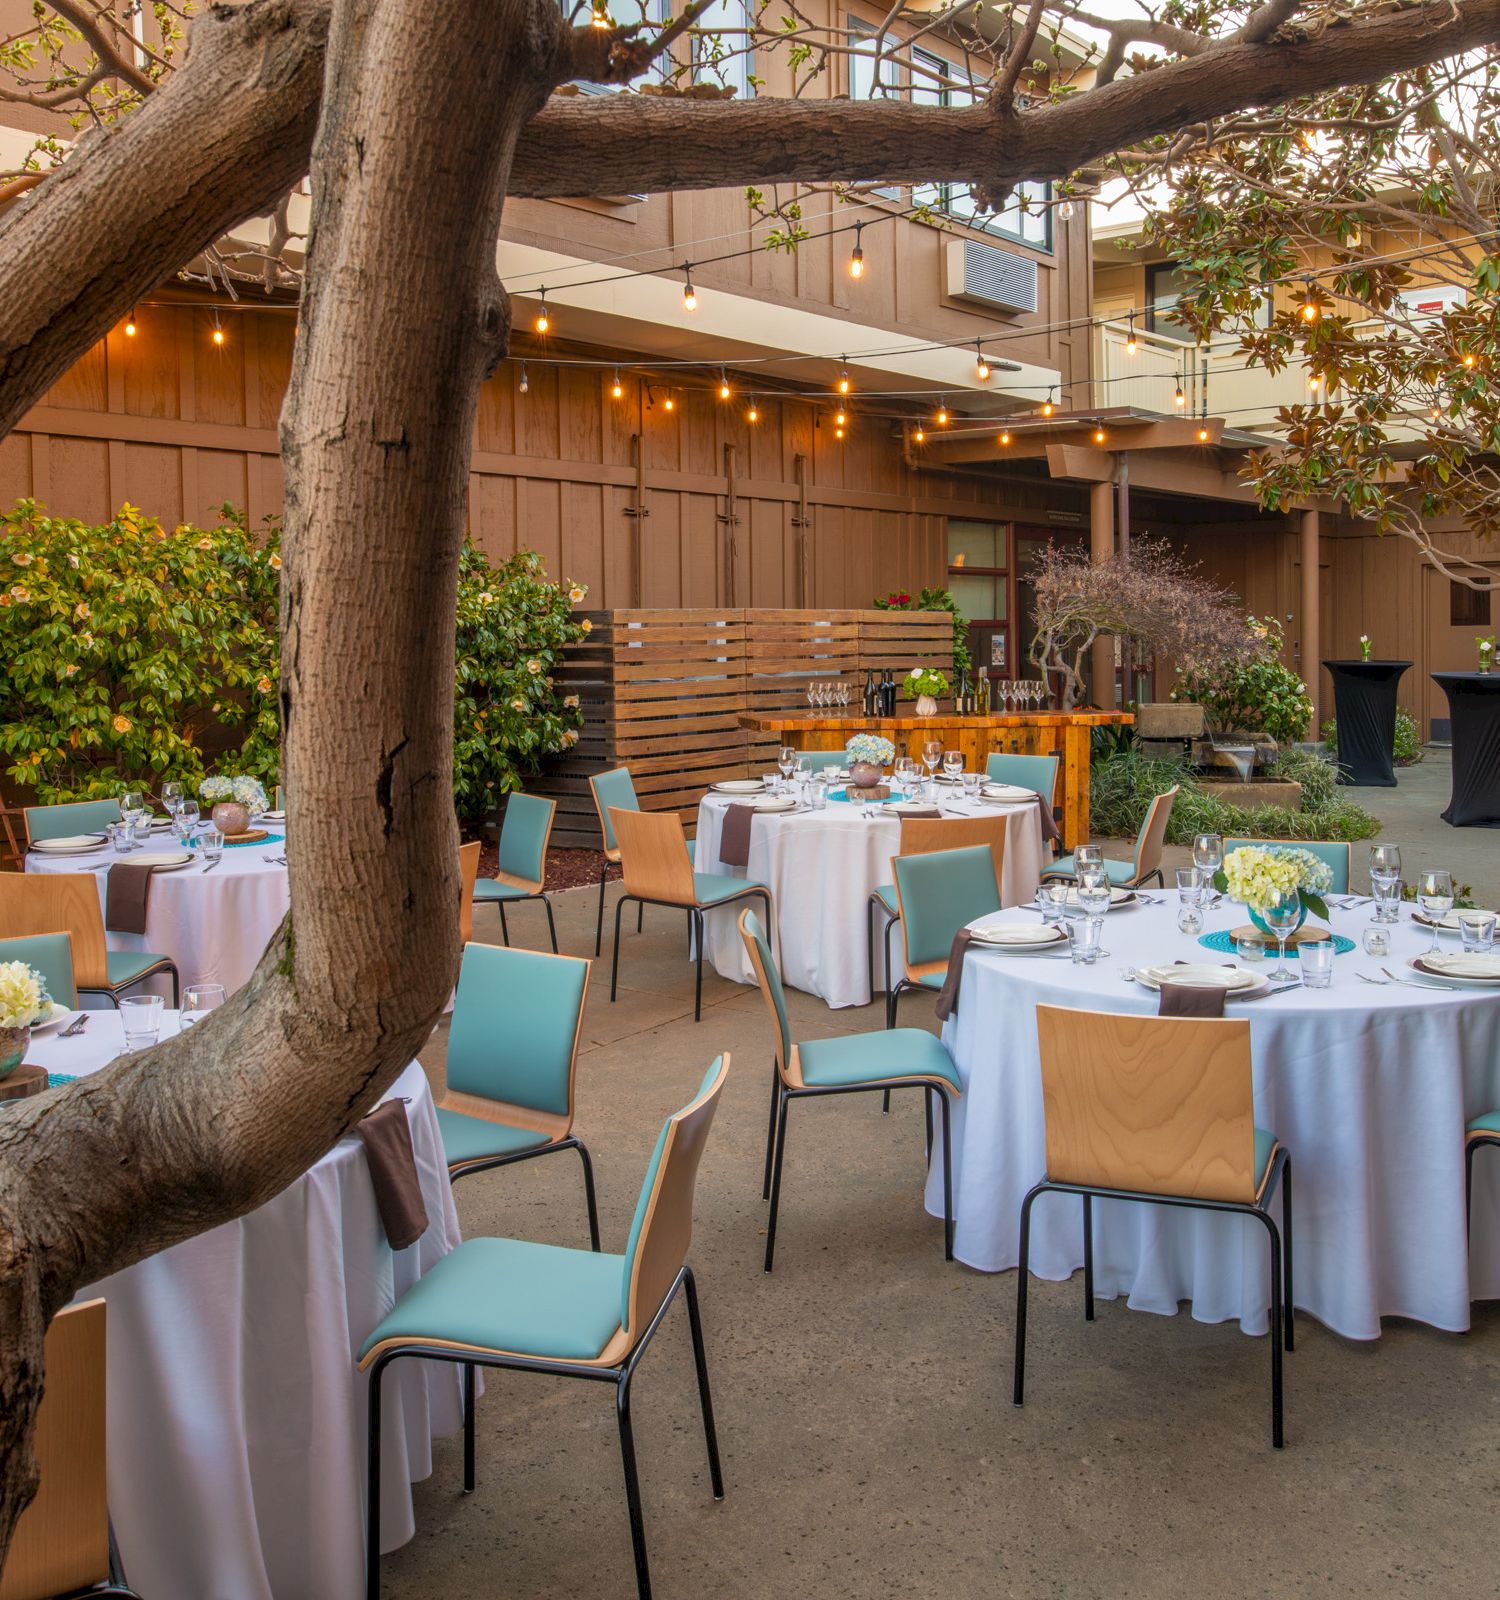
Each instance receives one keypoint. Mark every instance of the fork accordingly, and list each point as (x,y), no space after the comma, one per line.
(77,1025)
(211,865)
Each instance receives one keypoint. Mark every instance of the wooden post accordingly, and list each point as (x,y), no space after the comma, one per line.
(1101,548)
(730,517)
(1312,648)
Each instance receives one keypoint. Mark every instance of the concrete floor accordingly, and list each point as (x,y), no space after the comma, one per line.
(870,1446)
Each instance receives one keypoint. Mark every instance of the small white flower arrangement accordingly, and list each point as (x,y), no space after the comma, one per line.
(23,996)
(1364,646)
(871,747)
(1253,873)
(245,791)
(925,680)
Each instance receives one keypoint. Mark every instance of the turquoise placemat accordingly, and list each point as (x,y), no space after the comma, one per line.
(1224,941)
(843,794)
(55,1080)
(246,844)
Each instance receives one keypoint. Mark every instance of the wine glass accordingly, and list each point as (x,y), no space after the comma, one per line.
(932,753)
(1002,692)
(1208,856)
(953,764)
(1282,913)
(172,796)
(812,699)
(198,999)
(1094,896)
(843,696)
(185,820)
(1435,894)
(1385,876)
(1088,855)
(786,760)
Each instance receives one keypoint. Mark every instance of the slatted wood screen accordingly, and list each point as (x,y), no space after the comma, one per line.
(662,693)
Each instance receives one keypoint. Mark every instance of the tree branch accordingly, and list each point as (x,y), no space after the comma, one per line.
(103,47)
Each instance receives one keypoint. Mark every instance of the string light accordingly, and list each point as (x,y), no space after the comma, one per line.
(753,414)
(1005,437)
(1203,436)
(1178,397)
(840,419)
(601,17)
(619,388)
(920,436)
(130,325)
(1065,209)
(669,404)
(942,416)
(1469,358)
(844,381)
(689,296)
(857,255)
(1047,406)
(981,366)
(218,333)
(723,384)
(1132,344)
(543,321)
(525,384)
(1099,434)
(1315,381)
(838,433)
(1311,310)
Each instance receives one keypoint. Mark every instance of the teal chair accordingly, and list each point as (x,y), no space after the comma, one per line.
(615,788)
(1339,856)
(1146,862)
(936,894)
(1037,773)
(572,1313)
(821,760)
(522,873)
(51,954)
(78,816)
(1483,1130)
(852,1063)
(513,1062)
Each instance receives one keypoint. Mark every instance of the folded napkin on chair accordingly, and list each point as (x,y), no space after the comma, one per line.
(125,896)
(393,1172)
(947,1000)
(1051,833)
(734,840)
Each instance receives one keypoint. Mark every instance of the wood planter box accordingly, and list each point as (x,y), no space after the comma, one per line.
(1270,792)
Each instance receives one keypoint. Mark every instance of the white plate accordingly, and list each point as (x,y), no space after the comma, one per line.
(161,825)
(773,802)
(60,1016)
(1019,936)
(271,816)
(739,786)
(1469,972)
(1117,898)
(1237,981)
(69,844)
(172,862)
(1449,923)
(904,808)
(1006,794)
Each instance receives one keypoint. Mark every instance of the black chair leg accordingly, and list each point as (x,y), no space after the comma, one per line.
(765,1187)
(632,1488)
(927,1111)
(599,927)
(614,967)
(588,1192)
(1277,1437)
(1469,1185)
(1088,1258)
(640,916)
(176,986)
(372,1487)
(468,1427)
(697,921)
(947,1110)
(551,925)
(870,944)
(1022,1271)
(705,1398)
(504,927)
(784,1100)
(885,1106)
(1286,1251)
(889,926)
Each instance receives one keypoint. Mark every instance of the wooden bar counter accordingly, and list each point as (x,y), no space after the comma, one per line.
(1064,734)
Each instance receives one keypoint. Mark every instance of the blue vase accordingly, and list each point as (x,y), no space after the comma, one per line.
(1260,922)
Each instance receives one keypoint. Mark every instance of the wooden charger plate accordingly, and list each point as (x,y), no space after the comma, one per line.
(1301,936)
(254,835)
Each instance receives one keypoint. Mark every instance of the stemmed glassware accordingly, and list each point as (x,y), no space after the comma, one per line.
(198,999)
(1435,894)
(1088,855)
(172,796)
(1208,857)
(132,813)
(1282,913)
(1191,886)
(185,820)
(1003,690)
(1385,880)
(812,698)
(1094,897)
(786,760)
(953,764)
(905,771)
(932,753)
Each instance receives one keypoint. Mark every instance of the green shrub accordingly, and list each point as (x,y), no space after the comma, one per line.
(1408,747)
(1260,695)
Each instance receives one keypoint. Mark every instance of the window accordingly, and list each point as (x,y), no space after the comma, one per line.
(1468,608)
(1166,283)
(863,84)
(728,61)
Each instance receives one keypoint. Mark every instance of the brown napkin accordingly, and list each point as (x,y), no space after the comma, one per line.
(393,1171)
(125,896)
(1051,833)
(930,811)
(947,1000)
(734,839)
(1191,1000)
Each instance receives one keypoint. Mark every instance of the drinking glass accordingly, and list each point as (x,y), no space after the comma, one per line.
(198,999)
(1376,941)
(1316,961)
(132,806)
(1191,882)
(1282,913)
(1088,855)
(932,753)
(843,696)
(211,843)
(786,759)
(1208,855)
(1250,947)
(1084,935)
(1435,895)
(1385,878)
(121,835)
(971,785)
(185,820)
(812,698)
(1002,689)
(1477,929)
(172,796)
(804,772)
(140,1016)
(953,763)
(1094,896)
(818,791)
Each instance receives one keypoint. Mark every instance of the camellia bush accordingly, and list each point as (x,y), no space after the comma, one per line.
(133,655)
(1258,694)
(123,644)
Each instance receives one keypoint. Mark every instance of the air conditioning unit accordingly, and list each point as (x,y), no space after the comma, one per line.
(987,276)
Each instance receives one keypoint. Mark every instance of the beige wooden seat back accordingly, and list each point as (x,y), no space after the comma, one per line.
(468,873)
(1154,834)
(1156,1105)
(61,1542)
(65,902)
(654,856)
(922,835)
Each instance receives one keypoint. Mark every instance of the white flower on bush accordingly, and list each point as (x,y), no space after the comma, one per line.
(1253,873)
(533,667)
(570,738)
(518,704)
(23,995)
(571,701)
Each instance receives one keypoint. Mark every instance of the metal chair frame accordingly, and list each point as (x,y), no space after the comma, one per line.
(619,1375)
(695,933)
(1472,1143)
(464,1169)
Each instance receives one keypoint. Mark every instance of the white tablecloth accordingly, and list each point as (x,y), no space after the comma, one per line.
(821,868)
(1368,1088)
(214,925)
(236,1416)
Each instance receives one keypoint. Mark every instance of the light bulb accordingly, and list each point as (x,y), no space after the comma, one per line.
(1435,412)
(1203,436)
(723,384)
(942,416)
(838,433)
(1314,380)
(689,295)
(130,325)
(981,366)
(753,414)
(844,381)
(840,419)
(1065,210)
(601,17)
(1005,438)
(1310,311)
(1098,435)
(920,437)
(1469,358)
(525,384)
(857,255)
(619,388)
(1048,408)
(1179,398)
(218,336)
(543,321)
(669,403)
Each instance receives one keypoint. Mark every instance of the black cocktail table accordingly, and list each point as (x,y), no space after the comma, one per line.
(1474,706)
(1364,702)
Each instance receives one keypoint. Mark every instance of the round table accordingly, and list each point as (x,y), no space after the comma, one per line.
(821,868)
(1368,1088)
(1364,701)
(236,1417)
(214,925)
(1474,718)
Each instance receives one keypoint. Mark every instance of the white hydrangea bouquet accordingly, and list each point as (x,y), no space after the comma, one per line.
(247,792)
(871,748)
(23,1001)
(1253,873)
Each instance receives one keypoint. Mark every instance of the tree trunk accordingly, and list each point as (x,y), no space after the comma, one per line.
(404,317)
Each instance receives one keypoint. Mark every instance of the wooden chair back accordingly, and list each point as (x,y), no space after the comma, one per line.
(654,855)
(61,1543)
(64,902)
(468,873)
(922,835)
(1153,834)
(1155,1105)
